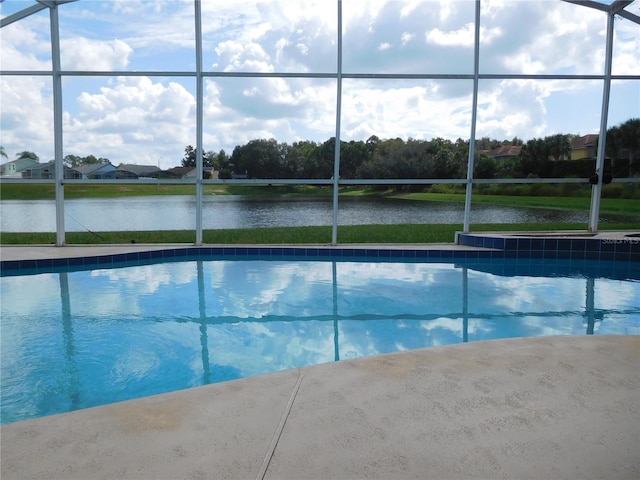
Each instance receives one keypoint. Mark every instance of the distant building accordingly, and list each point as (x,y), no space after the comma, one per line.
(130,170)
(47,171)
(208,173)
(584,147)
(504,152)
(97,171)
(15,167)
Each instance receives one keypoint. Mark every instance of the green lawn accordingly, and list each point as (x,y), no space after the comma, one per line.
(430,233)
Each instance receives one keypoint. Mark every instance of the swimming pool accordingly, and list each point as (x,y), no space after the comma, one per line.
(81,336)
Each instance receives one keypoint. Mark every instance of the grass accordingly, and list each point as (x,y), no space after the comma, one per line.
(423,233)
(45,191)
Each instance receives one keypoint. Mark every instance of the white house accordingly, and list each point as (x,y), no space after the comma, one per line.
(15,167)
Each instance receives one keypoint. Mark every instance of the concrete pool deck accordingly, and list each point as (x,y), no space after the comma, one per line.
(544,407)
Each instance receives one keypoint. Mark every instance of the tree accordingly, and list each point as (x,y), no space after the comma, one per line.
(189,159)
(27,154)
(74,161)
(2,152)
(258,158)
(624,140)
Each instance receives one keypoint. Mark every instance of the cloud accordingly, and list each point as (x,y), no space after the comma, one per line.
(84,54)
(107,116)
(132,111)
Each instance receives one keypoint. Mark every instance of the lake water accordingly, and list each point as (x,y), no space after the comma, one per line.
(177,212)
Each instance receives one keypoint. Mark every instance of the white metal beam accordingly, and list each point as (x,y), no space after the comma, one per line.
(57,124)
(596,190)
(199,120)
(8,20)
(336,159)
(474,111)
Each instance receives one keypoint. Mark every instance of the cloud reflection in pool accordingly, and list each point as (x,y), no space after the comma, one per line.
(79,339)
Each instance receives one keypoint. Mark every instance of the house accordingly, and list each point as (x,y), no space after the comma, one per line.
(503,153)
(208,173)
(584,147)
(98,171)
(131,170)
(15,167)
(43,171)
(177,172)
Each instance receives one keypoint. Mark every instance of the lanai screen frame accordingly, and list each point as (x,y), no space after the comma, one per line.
(611,9)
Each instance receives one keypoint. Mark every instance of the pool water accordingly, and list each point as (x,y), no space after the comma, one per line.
(77,339)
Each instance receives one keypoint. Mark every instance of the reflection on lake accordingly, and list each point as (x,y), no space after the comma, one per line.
(98,336)
(177,212)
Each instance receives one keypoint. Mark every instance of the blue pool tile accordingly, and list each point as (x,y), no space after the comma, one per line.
(537,244)
(44,263)
(132,257)
(592,255)
(498,243)
(60,262)
(11,267)
(524,244)
(119,257)
(577,255)
(578,244)
(564,244)
(384,253)
(324,252)
(550,244)
(607,255)
(105,260)
(77,261)
(623,246)
(510,243)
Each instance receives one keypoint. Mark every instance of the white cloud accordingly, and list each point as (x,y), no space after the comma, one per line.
(108,116)
(78,53)
(134,111)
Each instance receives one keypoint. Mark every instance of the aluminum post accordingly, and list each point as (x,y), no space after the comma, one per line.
(336,161)
(199,120)
(596,190)
(57,124)
(474,111)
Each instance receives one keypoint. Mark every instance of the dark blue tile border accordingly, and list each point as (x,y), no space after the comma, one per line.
(487,247)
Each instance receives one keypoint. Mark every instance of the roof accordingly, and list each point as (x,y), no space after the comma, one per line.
(180,171)
(584,141)
(505,151)
(90,168)
(139,170)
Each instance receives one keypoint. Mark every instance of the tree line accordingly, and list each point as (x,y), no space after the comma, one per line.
(437,158)
(396,158)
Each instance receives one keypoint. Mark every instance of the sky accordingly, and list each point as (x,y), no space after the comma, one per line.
(147,119)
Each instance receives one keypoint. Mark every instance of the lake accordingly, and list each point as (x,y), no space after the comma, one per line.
(177,212)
